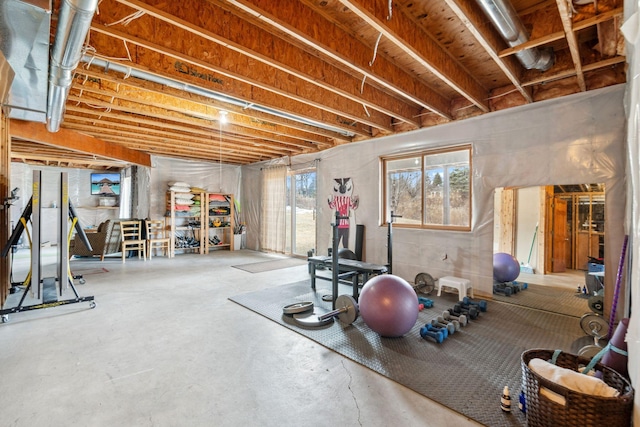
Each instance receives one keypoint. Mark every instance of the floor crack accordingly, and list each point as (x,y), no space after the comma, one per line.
(351,390)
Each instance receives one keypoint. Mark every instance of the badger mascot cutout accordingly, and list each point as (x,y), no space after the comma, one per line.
(343,201)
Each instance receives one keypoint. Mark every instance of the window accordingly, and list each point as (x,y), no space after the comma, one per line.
(430,189)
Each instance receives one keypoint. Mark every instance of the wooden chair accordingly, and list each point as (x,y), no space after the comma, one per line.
(157,237)
(132,239)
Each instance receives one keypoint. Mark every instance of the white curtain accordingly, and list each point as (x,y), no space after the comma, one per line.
(272,223)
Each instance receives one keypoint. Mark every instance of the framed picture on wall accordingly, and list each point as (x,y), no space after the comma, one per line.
(105,184)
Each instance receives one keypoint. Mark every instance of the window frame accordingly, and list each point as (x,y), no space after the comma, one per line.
(385,205)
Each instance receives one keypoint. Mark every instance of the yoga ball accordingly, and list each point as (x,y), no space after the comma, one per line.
(506,267)
(388,305)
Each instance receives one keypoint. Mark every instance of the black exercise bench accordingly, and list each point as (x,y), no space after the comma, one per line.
(349,271)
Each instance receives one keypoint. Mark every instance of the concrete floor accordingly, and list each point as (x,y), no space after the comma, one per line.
(165,347)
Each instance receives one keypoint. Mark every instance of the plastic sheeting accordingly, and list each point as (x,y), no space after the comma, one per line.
(210,176)
(577,139)
(631,31)
(79,180)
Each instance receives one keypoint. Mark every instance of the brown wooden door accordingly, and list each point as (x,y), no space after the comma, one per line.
(560,238)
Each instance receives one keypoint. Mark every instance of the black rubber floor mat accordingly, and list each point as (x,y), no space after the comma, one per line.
(466,373)
(549,298)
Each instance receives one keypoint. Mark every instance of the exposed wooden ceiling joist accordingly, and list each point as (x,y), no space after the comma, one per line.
(305,76)
(73,141)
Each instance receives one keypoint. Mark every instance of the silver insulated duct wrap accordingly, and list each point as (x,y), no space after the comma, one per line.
(507,22)
(74,21)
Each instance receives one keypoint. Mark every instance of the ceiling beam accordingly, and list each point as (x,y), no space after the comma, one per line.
(70,140)
(95,98)
(167,67)
(473,19)
(313,30)
(559,35)
(168,129)
(241,145)
(231,65)
(250,117)
(567,24)
(240,36)
(420,46)
(124,92)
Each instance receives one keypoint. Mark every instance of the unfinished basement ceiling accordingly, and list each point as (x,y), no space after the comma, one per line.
(304,76)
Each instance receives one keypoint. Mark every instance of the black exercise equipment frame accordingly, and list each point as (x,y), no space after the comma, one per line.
(49,292)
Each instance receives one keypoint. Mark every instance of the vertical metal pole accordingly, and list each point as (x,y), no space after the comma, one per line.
(63,246)
(389,243)
(36,207)
(334,262)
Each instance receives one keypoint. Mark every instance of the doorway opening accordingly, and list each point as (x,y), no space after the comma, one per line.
(301,212)
(556,229)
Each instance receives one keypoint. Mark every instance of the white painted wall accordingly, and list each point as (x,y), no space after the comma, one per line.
(528,216)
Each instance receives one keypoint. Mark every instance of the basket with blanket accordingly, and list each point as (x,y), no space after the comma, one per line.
(562,389)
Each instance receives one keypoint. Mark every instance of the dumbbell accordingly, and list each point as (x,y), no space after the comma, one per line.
(426,302)
(432,327)
(455,323)
(521,285)
(435,328)
(460,318)
(441,323)
(427,333)
(500,288)
(482,304)
(470,311)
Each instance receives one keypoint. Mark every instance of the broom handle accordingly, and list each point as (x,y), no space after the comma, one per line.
(616,292)
(535,233)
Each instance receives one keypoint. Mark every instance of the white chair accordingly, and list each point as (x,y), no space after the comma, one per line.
(157,237)
(131,234)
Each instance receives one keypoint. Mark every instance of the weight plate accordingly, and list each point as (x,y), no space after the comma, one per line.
(594,325)
(424,283)
(311,319)
(349,303)
(298,307)
(327,297)
(589,351)
(596,304)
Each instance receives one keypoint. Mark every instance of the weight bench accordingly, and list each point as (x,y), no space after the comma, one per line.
(348,269)
(462,285)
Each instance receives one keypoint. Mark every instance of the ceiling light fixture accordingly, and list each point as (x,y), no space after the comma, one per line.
(223,116)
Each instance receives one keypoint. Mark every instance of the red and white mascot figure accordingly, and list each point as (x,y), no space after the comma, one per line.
(343,201)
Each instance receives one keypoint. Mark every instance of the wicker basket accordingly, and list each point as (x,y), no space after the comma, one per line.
(580,410)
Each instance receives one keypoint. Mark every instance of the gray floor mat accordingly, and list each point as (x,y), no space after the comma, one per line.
(260,267)
(466,373)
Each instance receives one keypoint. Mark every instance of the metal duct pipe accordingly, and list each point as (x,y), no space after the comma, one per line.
(507,22)
(74,20)
(204,92)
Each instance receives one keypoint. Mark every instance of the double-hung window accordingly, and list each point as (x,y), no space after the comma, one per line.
(429,189)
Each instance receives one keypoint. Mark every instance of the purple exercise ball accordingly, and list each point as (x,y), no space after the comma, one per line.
(389,305)
(506,267)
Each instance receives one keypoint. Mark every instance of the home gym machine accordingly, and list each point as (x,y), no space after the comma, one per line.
(45,288)
(348,271)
